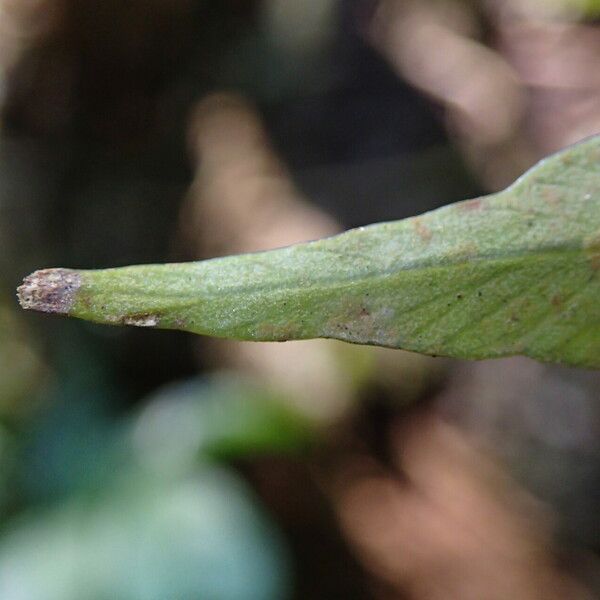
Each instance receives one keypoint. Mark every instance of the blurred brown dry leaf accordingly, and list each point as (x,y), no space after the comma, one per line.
(453,526)
(242,198)
(517,81)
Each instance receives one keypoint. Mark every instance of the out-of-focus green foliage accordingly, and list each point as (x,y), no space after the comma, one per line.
(189,538)
(150,515)
(225,417)
(587,8)
(561,10)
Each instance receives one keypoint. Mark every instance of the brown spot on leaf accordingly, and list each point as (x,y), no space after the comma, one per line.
(464,251)
(422,230)
(276,333)
(85,299)
(556,301)
(470,205)
(550,195)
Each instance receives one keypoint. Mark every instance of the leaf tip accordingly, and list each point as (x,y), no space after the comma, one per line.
(49,290)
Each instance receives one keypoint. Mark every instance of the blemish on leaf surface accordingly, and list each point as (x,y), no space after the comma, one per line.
(141,320)
(50,290)
(422,230)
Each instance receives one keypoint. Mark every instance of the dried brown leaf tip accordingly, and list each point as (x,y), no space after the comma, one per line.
(49,290)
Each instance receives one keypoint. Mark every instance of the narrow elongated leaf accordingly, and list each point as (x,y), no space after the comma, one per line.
(516,272)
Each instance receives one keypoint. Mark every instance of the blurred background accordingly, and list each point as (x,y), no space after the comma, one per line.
(155,465)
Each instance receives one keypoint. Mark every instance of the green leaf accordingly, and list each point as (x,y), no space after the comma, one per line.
(222,417)
(511,273)
(148,538)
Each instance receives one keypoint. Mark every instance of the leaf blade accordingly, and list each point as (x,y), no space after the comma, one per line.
(510,273)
